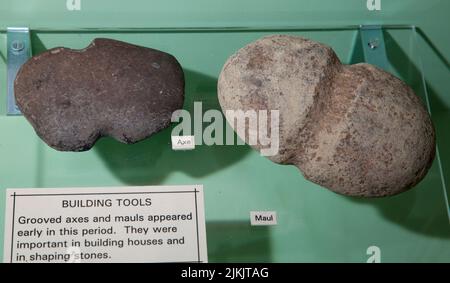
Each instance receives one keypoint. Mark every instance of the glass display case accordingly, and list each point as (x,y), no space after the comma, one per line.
(314,224)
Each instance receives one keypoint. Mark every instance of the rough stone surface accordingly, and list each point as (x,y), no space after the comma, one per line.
(111,88)
(354,129)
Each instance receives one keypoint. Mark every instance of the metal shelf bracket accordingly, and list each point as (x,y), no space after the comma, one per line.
(18,52)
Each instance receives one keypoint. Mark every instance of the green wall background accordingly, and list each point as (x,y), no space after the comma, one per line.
(314,224)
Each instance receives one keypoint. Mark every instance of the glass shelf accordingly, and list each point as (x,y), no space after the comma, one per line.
(314,224)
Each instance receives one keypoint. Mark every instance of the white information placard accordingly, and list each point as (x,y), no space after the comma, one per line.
(115,224)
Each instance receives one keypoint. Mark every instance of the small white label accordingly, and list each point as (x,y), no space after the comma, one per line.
(123,224)
(263,218)
(183,142)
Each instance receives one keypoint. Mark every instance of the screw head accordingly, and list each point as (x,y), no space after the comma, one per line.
(17,45)
(374,43)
